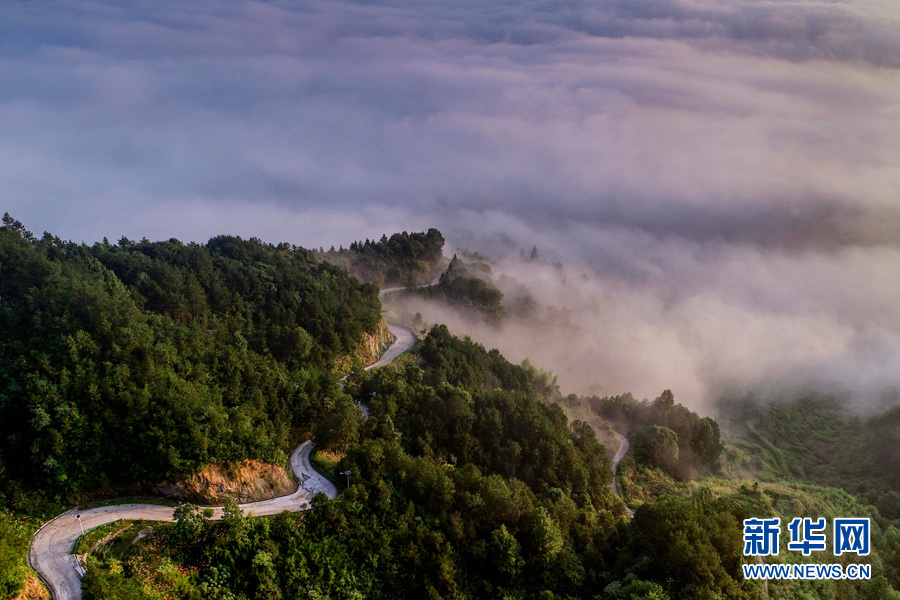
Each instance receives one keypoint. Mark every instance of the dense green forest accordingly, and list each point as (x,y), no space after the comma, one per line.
(470,482)
(145,361)
(401,260)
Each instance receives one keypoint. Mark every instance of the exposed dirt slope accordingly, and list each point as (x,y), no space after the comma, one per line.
(247,481)
(375,344)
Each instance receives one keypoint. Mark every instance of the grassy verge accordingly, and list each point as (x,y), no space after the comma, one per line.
(95,535)
(326,463)
(16,531)
(111,540)
(117,543)
(640,483)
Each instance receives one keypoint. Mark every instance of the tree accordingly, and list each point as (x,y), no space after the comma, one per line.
(232,513)
(706,442)
(632,588)
(16,226)
(697,549)
(504,552)
(340,425)
(190,523)
(657,445)
(106,580)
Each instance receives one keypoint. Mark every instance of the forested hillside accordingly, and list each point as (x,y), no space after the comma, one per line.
(664,434)
(467,481)
(814,438)
(680,474)
(145,361)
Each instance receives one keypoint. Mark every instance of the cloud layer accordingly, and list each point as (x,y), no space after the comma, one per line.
(725,172)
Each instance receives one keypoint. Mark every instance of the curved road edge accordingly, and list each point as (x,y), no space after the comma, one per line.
(50,554)
(620,454)
(403,341)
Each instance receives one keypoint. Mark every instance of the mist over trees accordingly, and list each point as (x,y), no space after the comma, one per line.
(468,286)
(815,438)
(468,482)
(403,259)
(664,434)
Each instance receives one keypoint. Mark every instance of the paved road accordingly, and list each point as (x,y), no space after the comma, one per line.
(404,336)
(52,545)
(620,454)
(435,281)
(390,290)
(403,342)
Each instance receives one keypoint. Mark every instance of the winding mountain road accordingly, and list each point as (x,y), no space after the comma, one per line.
(403,342)
(620,454)
(51,548)
(404,337)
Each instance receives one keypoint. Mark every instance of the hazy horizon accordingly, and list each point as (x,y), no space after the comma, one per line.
(723,174)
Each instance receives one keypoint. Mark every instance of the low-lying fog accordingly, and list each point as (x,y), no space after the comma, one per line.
(642,313)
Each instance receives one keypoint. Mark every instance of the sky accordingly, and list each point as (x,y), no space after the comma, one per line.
(723,175)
